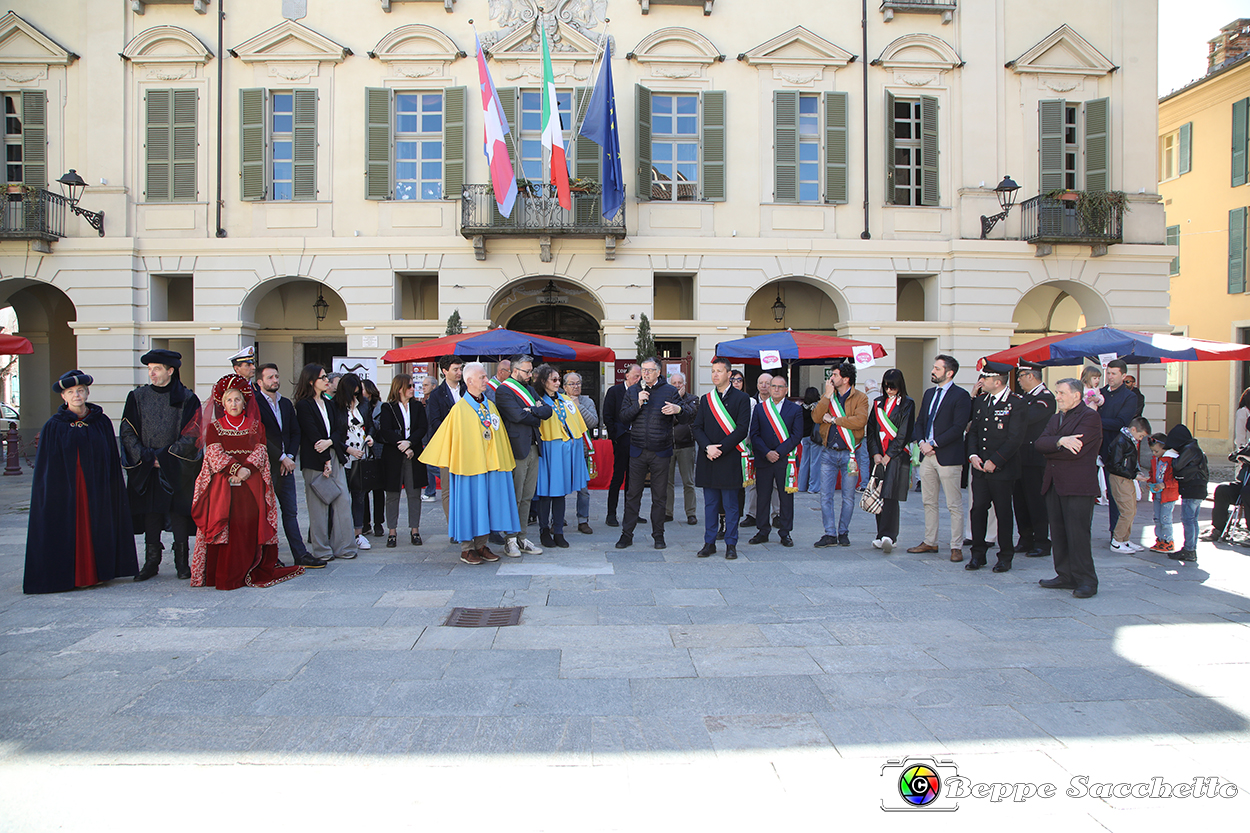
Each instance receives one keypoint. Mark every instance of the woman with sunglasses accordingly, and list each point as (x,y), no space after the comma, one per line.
(889,429)
(322,452)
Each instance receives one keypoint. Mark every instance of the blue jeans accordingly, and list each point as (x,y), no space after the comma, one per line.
(1163,519)
(715,502)
(1189,522)
(861,462)
(431,487)
(284,486)
(834,463)
(583,506)
(809,466)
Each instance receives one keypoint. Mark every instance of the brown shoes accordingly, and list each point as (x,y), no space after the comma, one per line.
(485,554)
(470,557)
(923,547)
(957,555)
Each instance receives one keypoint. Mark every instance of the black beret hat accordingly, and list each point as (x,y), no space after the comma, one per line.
(166,357)
(72,379)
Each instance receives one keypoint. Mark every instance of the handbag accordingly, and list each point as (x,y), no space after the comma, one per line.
(326,489)
(365,475)
(872,502)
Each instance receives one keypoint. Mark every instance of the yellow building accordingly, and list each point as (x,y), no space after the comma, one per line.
(1205,186)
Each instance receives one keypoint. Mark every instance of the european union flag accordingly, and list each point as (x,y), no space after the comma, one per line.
(599,126)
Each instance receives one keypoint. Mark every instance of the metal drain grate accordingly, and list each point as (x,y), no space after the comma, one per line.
(483,617)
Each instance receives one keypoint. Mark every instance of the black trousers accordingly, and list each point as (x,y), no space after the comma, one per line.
(988,492)
(767,476)
(1030,506)
(154,525)
(887,520)
(646,461)
(1225,496)
(1071,518)
(620,472)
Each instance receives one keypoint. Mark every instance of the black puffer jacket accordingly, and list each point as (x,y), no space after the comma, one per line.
(1190,465)
(1122,456)
(652,430)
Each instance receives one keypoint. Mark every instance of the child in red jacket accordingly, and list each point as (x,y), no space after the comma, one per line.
(1164,491)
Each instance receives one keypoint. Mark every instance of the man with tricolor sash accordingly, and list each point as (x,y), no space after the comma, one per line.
(840,416)
(503,369)
(523,415)
(723,461)
(775,435)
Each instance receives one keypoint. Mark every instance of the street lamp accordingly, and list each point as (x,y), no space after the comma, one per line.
(779,308)
(72,186)
(1006,193)
(320,308)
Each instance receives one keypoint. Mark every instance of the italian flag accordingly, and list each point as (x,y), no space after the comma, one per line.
(553,132)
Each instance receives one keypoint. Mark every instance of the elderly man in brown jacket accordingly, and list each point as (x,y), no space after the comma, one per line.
(1070,444)
(840,417)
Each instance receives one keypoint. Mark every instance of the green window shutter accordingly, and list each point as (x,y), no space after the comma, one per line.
(889,148)
(785,146)
(1050,144)
(835,148)
(1241,113)
(714,145)
(305,146)
(508,100)
(1237,251)
(1186,148)
(930,194)
(1174,239)
(254,183)
(185,145)
(158,125)
(642,99)
(378,106)
(34,139)
(1097,144)
(455,101)
(586,163)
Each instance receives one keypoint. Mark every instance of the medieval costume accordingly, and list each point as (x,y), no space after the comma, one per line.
(561,462)
(472,446)
(238,521)
(79,533)
(160,453)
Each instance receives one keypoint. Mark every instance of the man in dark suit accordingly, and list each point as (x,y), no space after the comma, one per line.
(522,412)
(618,433)
(994,438)
(719,427)
(776,431)
(940,424)
(1070,443)
(277,414)
(1029,503)
(651,409)
(438,405)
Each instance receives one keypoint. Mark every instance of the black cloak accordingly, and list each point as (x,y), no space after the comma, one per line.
(65,443)
(170,486)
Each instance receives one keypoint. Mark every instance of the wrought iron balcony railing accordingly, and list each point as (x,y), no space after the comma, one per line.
(1054,220)
(537,213)
(34,214)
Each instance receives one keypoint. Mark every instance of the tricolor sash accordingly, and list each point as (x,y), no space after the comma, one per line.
(888,429)
(843,431)
(520,390)
(773,411)
(493,382)
(726,422)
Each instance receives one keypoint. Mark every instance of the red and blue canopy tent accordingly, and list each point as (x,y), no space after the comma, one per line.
(15,346)
(1128,345)
(499,343)
(795,347)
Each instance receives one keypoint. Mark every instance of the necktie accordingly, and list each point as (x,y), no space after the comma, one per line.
(937,397)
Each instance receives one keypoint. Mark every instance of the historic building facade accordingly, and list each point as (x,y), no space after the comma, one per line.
(249,165)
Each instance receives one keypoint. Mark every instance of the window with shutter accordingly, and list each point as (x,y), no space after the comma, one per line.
(185,146)
(1174,239)
(587,163)
(508,101)
(158,127)
(891,148)
(305,145)
(26,138)
(253,181)
(714,147)
(930,193)
(1052,128)
(1186,144)
(835,148)
(642,103)
(674,145)
(1097,144)
(1237,251)
(419,131)
(908,157)
(785,145)
(378,148)
(1241,135)
(455,102)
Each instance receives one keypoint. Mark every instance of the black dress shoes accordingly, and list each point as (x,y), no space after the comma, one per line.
(974,565)
(626,540)
(749,520)
(659,542)
(1002,566)
(760,537)
(731,552)
(1056,583)
(544,538)
(786,540)
(1085,591)
(708,549)
(612,521)
(309,562)
(560,541)
(1037,553)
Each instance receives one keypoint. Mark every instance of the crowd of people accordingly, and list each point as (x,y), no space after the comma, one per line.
(506,451)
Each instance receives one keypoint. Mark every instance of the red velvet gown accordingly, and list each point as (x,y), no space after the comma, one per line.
(237,543)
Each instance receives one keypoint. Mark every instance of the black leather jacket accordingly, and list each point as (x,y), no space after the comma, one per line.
(650,429)
(1121,459)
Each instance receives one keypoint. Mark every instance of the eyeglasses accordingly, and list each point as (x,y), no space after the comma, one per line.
(410,387)
(650,370)
(323,376)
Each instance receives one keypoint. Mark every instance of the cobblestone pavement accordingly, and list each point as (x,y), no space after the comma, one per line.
(643,688)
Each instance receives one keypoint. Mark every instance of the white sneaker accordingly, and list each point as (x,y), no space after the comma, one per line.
(362,543)
(526,547)
(1124,547)
(428,498)
(887,545)
(876,543)
(510,549)
(1133,547)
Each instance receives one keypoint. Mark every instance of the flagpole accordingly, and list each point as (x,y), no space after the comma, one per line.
(594,75)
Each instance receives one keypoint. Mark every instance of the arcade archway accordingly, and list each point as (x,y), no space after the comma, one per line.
(43,314)
(288,332)
(805,305)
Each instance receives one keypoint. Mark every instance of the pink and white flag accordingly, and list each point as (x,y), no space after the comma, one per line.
(502,177)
